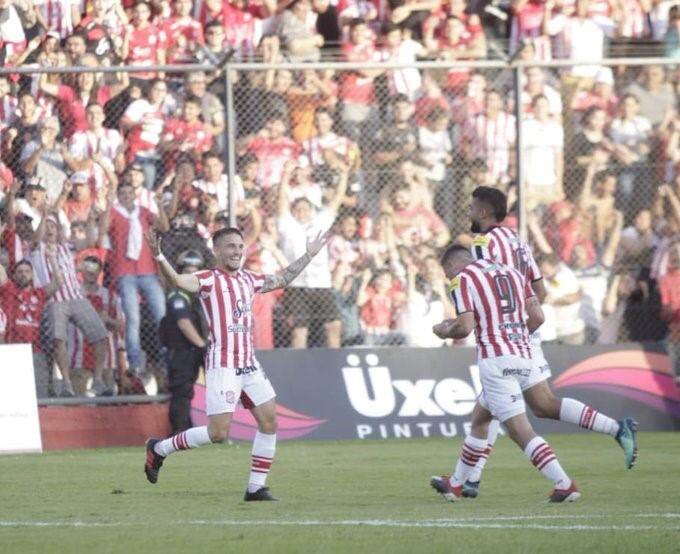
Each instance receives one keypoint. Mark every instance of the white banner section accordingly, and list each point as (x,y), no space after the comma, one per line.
(19,423)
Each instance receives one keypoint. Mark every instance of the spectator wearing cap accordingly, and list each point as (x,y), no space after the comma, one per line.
(53,260)
(185,135)
(132,265)
(143,123)
(299,43)
(182,334)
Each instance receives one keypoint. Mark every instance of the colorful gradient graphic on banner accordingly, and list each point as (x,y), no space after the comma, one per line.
(643,376)
(291,425)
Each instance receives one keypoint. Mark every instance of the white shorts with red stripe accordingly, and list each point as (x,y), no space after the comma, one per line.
(225,387)
(503,380)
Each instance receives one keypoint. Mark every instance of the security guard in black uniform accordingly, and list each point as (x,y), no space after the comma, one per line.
(182,334)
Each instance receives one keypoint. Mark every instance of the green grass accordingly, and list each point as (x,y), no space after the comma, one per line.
(359,496)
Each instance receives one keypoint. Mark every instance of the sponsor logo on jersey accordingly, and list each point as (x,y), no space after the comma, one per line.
(481,240)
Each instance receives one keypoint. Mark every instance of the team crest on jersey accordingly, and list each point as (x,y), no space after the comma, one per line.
(480,240)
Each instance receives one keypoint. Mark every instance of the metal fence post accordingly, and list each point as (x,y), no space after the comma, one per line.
(519,154)
(230,142)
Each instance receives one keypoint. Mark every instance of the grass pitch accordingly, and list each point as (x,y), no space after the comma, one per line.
(358,497)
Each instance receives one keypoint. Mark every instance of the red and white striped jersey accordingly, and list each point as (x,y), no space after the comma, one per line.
(492,141)
(503,245)
(84,144)
(57,15)
(3,322)
(496,294)
(227,303)
(81,352)
(43,273)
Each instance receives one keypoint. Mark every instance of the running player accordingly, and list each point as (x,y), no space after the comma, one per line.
(232,372)
(496,243)
(497,302)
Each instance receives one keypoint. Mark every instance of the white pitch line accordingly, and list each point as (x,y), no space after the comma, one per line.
(468,523)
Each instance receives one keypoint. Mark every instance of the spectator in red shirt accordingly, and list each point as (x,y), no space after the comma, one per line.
(186,134)
(380,303)
(669,287)
(72,102)
(132,265)
(416,224)
(273,149)
(23,304)
(357,88)
(144,120)
(144,43)
(184,34)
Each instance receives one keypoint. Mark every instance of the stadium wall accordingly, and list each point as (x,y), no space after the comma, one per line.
(392,393)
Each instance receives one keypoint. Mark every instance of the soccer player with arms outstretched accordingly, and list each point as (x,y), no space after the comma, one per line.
(497,302)
(232,372)
(500,244)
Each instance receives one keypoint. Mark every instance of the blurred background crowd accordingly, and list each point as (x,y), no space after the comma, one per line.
(386,157)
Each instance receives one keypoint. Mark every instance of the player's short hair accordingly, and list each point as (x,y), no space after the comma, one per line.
(493,198)
(452,251)
(217,235)
(23,262)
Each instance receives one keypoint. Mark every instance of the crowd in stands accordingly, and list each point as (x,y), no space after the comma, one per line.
(387,158)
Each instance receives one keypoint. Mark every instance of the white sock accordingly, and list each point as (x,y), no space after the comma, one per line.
(573,411)
(494,429)
(473,448)
(191,438)
(544,459)
(264,447)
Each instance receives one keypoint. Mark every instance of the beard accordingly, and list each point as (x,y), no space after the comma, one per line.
(475,227)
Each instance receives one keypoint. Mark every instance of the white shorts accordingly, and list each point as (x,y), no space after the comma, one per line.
(226,386)
(540,369)
(503,380)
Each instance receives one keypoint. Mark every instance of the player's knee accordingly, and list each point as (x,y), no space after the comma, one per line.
(218,433)
(268,425)
(547,408)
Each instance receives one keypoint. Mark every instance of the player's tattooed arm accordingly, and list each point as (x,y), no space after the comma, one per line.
(535,313)
(284,277)
(458,328)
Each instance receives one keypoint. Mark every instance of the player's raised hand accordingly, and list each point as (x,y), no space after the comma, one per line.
(316,244)
(154,240)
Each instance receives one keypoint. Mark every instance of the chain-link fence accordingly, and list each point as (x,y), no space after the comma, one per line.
(386,155)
